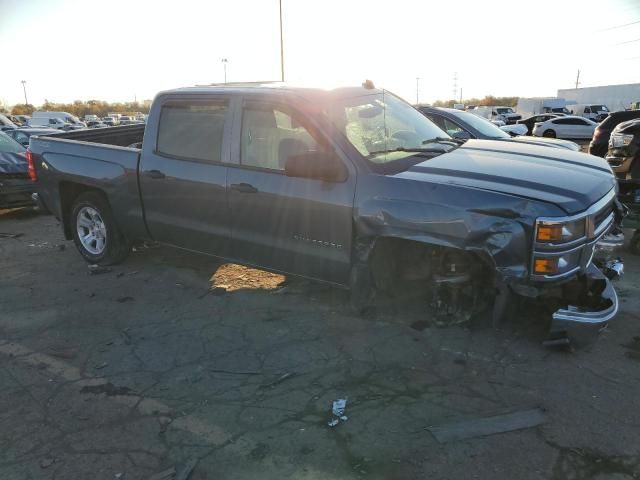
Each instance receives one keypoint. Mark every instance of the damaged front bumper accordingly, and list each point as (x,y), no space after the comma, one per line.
(579,324)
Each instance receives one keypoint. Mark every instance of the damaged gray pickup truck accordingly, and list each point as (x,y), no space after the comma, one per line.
(351,186)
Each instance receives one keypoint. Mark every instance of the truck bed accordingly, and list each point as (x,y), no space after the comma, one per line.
(125,136)
(103,159)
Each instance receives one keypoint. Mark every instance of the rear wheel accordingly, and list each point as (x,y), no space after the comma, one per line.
(95,232)
(549,134)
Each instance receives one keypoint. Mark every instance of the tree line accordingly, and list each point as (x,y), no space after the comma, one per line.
(488,100)
(81,108)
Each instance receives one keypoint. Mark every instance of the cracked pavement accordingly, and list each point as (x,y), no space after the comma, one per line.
(171,357)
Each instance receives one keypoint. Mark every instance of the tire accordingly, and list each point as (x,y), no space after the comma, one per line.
(95,232)
(549,134)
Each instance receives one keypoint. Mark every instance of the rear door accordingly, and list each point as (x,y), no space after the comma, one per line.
(296,225)
(183,172)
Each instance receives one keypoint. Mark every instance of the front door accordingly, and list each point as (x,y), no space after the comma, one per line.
(183,173)
(296,225)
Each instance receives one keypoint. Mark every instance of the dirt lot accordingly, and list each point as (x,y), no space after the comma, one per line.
(171,359)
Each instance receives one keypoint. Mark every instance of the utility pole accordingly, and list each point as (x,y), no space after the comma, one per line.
(281,45)
(224,64)
(24,89)
(578,79)
(417,90)
(460,94)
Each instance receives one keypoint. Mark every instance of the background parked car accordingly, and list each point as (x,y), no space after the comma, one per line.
(24,119)
(595,112)
(96,124)
(66,117)
(600,140)
(110,121)
(6,124)
(23,134)
(56,123)
(624,150)
(15,185)
(463,125)
(529,122)
(565,127)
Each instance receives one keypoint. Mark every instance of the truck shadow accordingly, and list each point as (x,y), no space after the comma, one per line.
(411,309)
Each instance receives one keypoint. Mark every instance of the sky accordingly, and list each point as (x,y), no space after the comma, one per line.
(121,50)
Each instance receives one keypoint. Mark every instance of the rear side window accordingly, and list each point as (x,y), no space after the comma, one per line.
(192,131)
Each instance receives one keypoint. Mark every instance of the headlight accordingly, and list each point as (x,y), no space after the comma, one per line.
(559,232)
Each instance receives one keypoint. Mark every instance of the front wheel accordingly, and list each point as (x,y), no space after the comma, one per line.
(95,232)
(549,134)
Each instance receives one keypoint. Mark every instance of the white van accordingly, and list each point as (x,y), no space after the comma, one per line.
(593,111)
(51,122)
(528,107)
(497,112)
(39,119)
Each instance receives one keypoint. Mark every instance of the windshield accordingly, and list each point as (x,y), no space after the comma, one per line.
(9,145)
(72,119)
(482,125)
(504,110)
(599,108)
(381,125)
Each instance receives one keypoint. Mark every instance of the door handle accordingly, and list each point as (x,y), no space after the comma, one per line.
(244,188)
(155,174)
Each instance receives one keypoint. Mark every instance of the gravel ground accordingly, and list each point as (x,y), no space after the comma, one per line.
(172,359)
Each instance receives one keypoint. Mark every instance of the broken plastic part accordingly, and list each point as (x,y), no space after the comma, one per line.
(337,412)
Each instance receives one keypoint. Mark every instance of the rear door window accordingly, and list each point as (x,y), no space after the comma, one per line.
(192,130)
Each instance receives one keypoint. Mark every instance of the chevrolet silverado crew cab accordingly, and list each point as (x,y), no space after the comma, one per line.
(351,186)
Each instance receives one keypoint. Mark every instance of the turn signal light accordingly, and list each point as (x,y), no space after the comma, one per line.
(545,266)
(549,233)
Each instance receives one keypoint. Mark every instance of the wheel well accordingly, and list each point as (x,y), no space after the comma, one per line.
(395,260)
(69,191)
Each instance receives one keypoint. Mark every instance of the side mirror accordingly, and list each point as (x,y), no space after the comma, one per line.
(461,135)
(317,165)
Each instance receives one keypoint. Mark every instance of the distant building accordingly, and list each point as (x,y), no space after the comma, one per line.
(616,97)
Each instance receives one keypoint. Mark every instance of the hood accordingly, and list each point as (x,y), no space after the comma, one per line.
(12,163)
(571,180)
(546,142)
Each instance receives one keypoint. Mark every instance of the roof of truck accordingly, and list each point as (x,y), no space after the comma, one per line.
(252,87)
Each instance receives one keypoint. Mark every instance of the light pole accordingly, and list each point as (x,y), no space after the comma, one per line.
(224,64)
(24,89)
(417,90)
(281,45)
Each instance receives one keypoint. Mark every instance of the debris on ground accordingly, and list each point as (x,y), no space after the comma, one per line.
(481,427)
(61,247)
(277,381)
(11,235)
(101,366)
(124,299)
(109,389)
(337,412)
(95,269)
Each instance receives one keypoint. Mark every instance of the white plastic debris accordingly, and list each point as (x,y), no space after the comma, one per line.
(337,412)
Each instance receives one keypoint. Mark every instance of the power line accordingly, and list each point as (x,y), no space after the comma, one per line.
(618,26)
(628,41)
